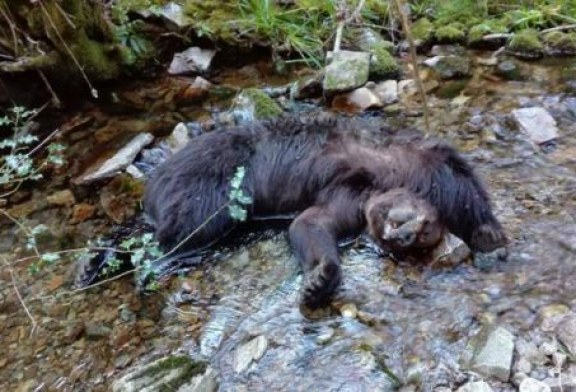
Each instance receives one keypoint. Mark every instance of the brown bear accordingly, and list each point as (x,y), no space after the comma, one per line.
(334,180)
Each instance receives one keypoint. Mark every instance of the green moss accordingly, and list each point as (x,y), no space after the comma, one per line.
(94,58)
(355,73)
(453,32)
(263,105)
(561,43)
(186,367)
(477,32)
(423,30)
(382,63)
(526,44)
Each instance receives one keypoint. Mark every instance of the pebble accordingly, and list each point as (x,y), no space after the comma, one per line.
(349,311)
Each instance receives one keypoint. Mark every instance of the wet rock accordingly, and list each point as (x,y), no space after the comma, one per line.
(537,123)
(325,336)
(476,386)
(134,172)
(550,315)
(509,70)
(493,353)
(566,332)
(191,61)
(526,44)
(348,70)
(349,311)
(559,43)
(449,67)
(249,352)
(118,162)
(252,104)
(174,373)
(356,101)
(82,212)
(451,252)
(178,138)
(309,87)
(387,91)
(195,91)
(96,330)
(533,385)
(119,199)
(63,198)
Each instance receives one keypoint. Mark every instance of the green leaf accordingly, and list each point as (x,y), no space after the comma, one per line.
(50,258)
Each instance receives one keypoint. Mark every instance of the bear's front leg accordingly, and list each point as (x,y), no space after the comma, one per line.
(314,239)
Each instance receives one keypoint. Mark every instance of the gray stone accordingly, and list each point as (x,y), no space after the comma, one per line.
(533,385)
(387,91)
(356,101)
(476,386)
(537,123)
(61,198)
(176,373)
(347,71)
(97,330)
(566,331)
(135,172)
(118,162)
(451,251)
(192,60)
(493,355)
(449,67)
(249,352)
(174,14)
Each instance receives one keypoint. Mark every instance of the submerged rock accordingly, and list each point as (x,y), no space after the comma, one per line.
(118,162)
(348,70)
(537,123)
(191,61)
(493,353)
(174,373)
(249,352)
(449,67)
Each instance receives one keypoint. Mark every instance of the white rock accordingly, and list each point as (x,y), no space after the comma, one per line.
(537,123)
(192,60)
(118,162)
(178,138)
(249,352)
(477,386)
(387,91)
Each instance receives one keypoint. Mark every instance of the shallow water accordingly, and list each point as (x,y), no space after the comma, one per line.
(413,324)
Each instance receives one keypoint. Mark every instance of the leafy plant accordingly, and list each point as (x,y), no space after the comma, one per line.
(238,199)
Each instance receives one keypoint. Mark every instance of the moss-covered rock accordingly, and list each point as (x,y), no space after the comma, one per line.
(253,103)
(383,64)
(423,31)
(347,71)
(526,44)
(560,44)
(454,32)
(449,67)
(477,32)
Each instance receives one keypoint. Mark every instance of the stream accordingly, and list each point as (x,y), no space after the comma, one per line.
(410,327)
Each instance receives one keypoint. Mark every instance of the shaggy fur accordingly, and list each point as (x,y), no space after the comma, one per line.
(322,170)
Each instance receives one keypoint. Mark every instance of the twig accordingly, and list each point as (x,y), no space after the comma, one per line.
(17,291)
(55,100)
(414,61)
(344,21)
(558,28)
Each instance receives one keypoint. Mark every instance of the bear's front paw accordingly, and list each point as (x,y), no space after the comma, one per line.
(488,238)
(321,284)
